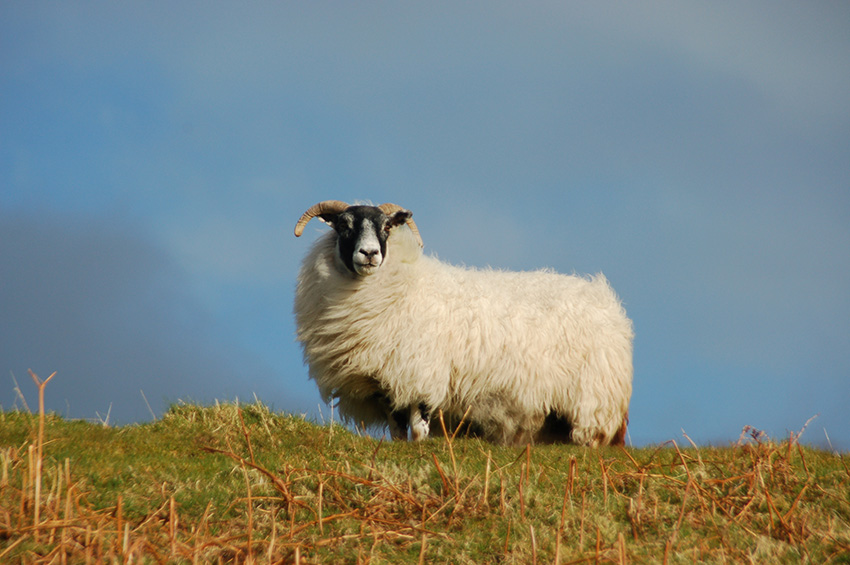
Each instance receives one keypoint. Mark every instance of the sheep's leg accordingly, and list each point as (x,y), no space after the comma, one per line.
(620,437)
(594,434)
(420,422)
(397,421)
(416,418)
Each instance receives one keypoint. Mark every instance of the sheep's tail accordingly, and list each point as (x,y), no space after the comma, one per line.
(620,437)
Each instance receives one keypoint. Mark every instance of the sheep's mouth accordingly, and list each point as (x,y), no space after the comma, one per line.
(365,269)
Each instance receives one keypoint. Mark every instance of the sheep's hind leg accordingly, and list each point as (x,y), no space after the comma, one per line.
(596,435)
(420,422)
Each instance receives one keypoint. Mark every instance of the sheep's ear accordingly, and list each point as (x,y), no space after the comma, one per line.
(399,217)
(392,211)
(329,219)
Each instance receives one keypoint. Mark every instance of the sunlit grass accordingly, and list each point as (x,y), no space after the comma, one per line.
(240,483)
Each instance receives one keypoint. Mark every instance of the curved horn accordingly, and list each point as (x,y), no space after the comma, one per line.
(326,207)
(392,209)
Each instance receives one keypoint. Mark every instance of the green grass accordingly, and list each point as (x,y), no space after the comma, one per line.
(239,483)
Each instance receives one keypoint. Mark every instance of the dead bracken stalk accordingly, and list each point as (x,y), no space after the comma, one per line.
(449,443)
(245,433)
(39,461)
(486,479)
(795,437)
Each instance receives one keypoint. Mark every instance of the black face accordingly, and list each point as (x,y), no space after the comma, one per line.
(363,233)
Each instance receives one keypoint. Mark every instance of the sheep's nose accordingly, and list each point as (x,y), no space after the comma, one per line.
(369,253)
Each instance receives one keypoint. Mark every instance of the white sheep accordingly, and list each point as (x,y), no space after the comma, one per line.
(395,335)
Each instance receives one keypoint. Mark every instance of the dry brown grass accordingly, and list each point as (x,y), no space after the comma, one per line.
(234,483)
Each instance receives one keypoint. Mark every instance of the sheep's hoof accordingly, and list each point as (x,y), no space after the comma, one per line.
(419,426)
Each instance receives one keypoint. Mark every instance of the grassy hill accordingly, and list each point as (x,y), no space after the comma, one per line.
(236,483)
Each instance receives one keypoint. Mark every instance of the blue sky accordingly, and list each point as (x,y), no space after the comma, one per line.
(155,156)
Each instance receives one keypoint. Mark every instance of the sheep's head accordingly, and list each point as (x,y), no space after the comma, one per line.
(362,231)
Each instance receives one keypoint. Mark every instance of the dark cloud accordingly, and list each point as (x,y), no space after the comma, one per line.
(111,313)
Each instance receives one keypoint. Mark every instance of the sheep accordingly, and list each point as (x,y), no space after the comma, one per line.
(395,335)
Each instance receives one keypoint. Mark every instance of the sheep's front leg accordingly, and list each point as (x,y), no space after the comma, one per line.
(398,424)
(397,420)
(420,422)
